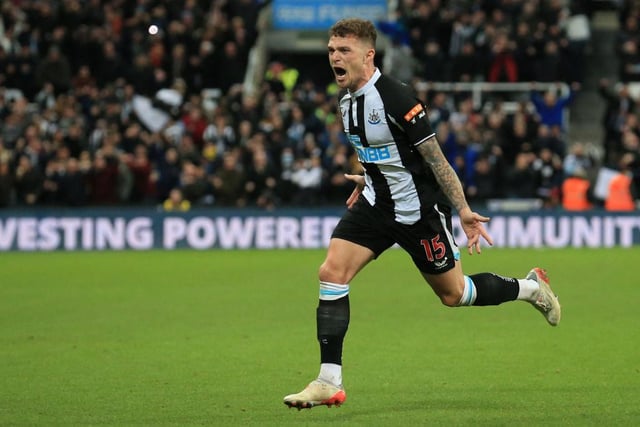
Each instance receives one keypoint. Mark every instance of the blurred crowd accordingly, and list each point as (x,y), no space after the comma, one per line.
(494,41)
(113,102)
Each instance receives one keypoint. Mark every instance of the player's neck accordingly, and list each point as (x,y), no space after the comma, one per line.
(368,74)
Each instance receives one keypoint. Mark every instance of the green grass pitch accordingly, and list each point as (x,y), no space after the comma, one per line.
(218,338)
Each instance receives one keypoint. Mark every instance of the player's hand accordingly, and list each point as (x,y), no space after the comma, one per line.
(359,180)
(471,223)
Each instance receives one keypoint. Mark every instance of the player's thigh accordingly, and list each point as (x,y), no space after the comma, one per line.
(434,252)
(343,261)
(430,242)
(360,236)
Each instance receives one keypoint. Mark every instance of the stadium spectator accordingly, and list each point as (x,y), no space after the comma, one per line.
(83,81)
(629,29)
(552,65)
(426,22)
(450,146)
(550,138)
(337,186)
(525,52)
(307,177)
(629,62)
(297,127)
(575,22)
(578,160)
(462,33)
(494,121)
(548,168)
(222,135)
(622,192)
(194,123)
(439,109)
(518,133)
(261,183)
(551,107)
(631,134)
(234,67)
(142,75)
(467,65)
(400,63)
(54,69)
(72,189)
(6,184)
(502,65)
(168,172)
(577,192)
(109,66)
(103,179)
(193,183)
(465,115)
(484,182)
(619,104)
(229,181)
(28,181)
(20,70)
(53,173)
(434,68)
(139,164)
(16,119)
(520,179)
(176,202)
(46,97)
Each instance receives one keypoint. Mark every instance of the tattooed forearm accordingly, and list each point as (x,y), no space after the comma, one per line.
(444,173)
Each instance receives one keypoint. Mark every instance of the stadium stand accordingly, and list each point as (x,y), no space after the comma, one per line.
(98,108)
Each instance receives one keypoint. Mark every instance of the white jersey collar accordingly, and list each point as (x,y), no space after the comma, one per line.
(374,78)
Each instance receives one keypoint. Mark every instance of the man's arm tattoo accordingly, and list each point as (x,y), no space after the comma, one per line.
(444,173)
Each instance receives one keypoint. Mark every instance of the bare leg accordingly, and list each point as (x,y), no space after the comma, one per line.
(455,289)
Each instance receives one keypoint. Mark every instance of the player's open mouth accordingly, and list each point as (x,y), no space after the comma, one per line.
(339,72)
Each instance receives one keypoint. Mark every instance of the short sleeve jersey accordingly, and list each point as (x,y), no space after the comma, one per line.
(385,122)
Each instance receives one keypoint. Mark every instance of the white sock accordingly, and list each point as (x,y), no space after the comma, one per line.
(333,291)
(528,289)
(470,292)
(331,373)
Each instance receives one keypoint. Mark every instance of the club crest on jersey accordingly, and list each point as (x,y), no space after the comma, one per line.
(417,112)
(374,117)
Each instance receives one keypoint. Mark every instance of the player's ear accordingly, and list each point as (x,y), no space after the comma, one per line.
(369,55)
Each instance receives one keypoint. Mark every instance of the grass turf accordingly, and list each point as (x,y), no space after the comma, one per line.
(218,338)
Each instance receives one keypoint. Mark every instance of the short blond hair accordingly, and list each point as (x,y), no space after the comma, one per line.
(361,28)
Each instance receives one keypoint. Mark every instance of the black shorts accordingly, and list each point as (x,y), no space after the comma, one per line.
(429,241)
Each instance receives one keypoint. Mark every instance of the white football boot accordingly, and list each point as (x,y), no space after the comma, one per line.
(546,302)
(316,393)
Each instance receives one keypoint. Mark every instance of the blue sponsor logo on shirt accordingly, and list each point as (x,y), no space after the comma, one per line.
(373,154)
(355,140)
(369,154)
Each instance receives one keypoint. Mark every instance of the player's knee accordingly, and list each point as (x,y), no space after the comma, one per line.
(451,291)
(329,272)
(451,298)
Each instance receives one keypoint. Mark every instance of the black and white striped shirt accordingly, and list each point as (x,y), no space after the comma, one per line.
(385,122)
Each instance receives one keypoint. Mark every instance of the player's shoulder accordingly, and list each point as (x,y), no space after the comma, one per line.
(398,97)
(393,87)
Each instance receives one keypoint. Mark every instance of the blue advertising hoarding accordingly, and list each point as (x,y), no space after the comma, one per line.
(321,14)
(145,229)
